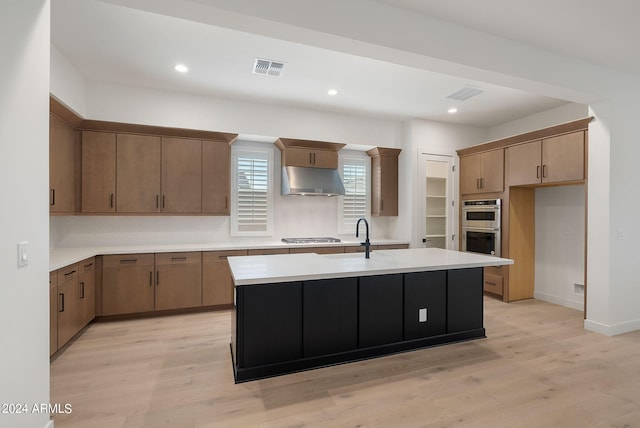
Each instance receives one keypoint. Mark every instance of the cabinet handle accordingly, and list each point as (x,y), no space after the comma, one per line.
(314,158)
(111,200)
(490,283)
(538,171)
(310,158)
(52,197)
(162,201)
(61,306)
(226,202)
(381,204)
(157,277)
(544,171)
(157,201)
(82,290)
(150,279)
(178,259)
(222,257)
(482,183)
(70,273)
(89,265)
(128,260)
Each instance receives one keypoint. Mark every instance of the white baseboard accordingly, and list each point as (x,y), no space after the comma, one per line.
(573,304)
(612,330)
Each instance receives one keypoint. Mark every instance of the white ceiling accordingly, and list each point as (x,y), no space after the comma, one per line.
(108,42)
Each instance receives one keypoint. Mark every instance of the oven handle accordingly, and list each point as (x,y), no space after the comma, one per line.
(481,229)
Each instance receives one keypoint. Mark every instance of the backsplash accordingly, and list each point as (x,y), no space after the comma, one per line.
(294,217)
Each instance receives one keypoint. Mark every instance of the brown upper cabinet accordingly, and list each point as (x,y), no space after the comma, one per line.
(482,172)
(309,153)
(181,175)
(64,163)
(138,173)
(551,160)
(216,173)
(384,181)
(98,172)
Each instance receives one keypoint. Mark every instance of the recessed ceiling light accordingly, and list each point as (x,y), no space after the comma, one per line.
(181,68)
(452,110)
(332,92)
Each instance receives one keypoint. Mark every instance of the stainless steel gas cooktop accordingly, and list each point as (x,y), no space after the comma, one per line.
(309,240)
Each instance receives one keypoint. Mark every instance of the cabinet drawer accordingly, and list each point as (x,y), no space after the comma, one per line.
(128,260)
(178,258)
(267,251)
(493,283)
(211,256)
(68,274)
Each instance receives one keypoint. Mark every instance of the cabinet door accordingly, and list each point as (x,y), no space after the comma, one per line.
(217,283)
(464,299)
(330,316)
(298,156)
(216,173)
(524,164)
(181,175)
(324,159)
(269,323)
(53,312)
(127,284)
(98,172)
(380,310)
(87,291)
(425,304)
(178,280)
(67,304)
(470,174)
(64,157)
(492,178)
(137,173)
(563,158)
(389,186)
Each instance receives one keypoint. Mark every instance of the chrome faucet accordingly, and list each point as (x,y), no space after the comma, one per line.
(366,242)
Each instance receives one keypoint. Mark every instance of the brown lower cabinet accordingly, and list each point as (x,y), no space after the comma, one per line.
(133,283)
(53,312)
(71,301)
(178,280)
(217,283)
(68,301)
(317,250)
(87,291)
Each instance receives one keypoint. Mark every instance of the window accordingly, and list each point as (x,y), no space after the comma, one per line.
(354,170)
(252,207)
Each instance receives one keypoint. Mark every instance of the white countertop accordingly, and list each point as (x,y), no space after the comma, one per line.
(61,257)
(249,270)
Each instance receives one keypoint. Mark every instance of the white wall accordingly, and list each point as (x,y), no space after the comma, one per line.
(555,116)
(24,136)
(560,240)
(67,82)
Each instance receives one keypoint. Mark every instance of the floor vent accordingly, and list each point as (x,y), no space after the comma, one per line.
(465,93)
(267,67)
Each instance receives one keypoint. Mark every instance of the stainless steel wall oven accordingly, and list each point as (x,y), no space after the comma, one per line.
(481,226)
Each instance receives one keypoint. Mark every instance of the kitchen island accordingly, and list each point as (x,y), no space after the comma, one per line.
(301,311)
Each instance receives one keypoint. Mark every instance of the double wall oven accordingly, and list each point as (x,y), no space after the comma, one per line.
(481,226)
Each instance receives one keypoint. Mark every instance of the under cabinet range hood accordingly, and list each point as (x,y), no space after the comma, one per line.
(298,180)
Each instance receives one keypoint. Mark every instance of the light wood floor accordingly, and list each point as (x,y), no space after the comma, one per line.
(537,368)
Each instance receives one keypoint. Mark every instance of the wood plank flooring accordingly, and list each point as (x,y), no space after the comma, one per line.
(537,367)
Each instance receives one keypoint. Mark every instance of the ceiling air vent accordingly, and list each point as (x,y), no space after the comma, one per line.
(267,67)
(465,93)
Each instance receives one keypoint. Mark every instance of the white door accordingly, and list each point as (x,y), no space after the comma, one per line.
(438,213)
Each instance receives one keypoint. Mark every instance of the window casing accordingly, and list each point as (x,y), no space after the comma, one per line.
(252,191)
(355,170)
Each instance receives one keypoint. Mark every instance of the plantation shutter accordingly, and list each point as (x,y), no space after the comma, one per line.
(252,197)
(354,202)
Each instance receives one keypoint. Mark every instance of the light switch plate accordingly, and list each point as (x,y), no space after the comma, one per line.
(422,315)
(23,258)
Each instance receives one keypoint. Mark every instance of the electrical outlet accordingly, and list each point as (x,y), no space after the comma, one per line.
(23,257)
(620,233)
